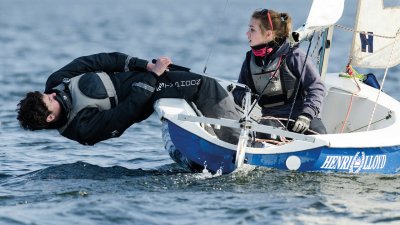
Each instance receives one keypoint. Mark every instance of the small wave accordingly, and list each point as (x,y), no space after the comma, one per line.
(388,220)
(83,170)
(2,175)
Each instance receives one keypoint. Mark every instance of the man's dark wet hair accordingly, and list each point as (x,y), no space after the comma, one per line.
(32,112)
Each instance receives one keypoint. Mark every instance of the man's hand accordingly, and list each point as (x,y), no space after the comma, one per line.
(302,124)
(160,66)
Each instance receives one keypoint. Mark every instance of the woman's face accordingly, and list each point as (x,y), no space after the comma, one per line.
(255,34)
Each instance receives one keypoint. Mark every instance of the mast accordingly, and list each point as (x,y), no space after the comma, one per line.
(326,49)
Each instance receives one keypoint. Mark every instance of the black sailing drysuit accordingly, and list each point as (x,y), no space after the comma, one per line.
(104,94)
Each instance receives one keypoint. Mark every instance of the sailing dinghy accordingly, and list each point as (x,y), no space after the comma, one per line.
(361,120)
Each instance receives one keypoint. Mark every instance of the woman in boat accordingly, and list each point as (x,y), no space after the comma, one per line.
(273,69)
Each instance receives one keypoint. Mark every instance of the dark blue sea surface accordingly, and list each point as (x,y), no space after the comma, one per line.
(48,179)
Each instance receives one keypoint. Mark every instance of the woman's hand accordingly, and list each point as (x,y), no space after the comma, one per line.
(160,66)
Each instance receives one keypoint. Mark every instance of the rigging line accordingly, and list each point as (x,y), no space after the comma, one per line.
(347,114)
(363,32)
(384,118)
(298,83)
(282,60)
(216,32)
(384,78)
(280,121)
(353,73)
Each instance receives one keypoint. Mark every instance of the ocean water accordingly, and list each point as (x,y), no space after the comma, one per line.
(47,179)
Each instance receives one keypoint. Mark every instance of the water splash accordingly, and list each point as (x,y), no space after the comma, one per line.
(206,174)
(244,170)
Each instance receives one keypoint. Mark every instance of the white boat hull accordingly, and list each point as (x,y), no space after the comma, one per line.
(356,150)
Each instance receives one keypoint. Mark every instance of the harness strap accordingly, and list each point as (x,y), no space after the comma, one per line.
(111,92)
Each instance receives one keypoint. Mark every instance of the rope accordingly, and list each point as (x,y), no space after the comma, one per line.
(353,74)
(384,118)
(279,120)
(282,60)
(383,80)
(215,35)
(270,141)
(348,113)
(298,85)
(384,77)
(363,32)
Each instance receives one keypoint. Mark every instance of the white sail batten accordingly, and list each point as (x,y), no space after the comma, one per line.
(376,42)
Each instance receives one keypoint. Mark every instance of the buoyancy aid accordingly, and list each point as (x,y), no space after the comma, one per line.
(89,90)
(279,81)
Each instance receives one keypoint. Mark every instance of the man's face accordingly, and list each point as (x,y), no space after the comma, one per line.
(53,106)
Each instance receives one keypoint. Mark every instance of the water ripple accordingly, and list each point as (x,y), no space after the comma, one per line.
(47,179)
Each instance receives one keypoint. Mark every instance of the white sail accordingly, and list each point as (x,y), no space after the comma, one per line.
(323,13)
(377,45)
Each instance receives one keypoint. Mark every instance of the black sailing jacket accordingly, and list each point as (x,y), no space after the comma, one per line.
(134,103)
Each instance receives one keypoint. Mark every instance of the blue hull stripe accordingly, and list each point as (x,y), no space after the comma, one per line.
(384,160)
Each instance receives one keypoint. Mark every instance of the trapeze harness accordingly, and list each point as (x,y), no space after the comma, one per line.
(277,80)
(89,90)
